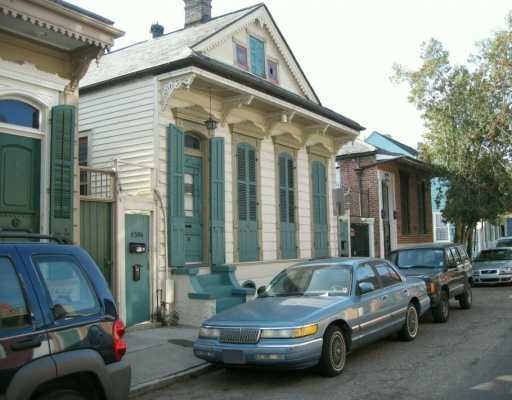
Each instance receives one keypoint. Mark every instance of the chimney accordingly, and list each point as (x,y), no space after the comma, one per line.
(197,11)
(157,30)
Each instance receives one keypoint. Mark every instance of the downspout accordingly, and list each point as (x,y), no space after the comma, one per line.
(359,173)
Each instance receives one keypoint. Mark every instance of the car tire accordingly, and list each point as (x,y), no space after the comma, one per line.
(466,299)
(334,352)
(64,394)
(411,325)
(441,313)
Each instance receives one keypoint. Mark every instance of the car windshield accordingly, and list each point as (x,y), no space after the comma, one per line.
(316,280)
(504,243)
(495,255)
(418,258)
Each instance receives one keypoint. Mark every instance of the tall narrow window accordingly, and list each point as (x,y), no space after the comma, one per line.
(247,203)
(404,203)
(241,56)
(257,56)
(287,206)
(83,151)
(422,212)
(273,75)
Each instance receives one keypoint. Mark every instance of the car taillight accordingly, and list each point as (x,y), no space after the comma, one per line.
(118,331)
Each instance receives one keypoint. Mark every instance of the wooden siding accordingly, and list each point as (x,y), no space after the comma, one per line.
(120,120)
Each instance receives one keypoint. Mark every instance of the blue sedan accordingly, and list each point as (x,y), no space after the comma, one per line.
(314,314)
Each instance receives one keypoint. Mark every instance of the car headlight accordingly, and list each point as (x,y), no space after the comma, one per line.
(209,333)
(291,333)
(506,270)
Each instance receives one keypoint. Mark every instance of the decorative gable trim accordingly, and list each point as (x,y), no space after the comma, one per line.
(261,16)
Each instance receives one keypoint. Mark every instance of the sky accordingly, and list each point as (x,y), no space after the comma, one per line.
(346,48)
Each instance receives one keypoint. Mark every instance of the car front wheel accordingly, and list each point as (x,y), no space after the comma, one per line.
(334,352)
(466,299)
(411,325)
(441,312)
(64,394)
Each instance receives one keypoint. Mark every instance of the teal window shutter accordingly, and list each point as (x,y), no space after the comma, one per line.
(217,213)
(175,196)
(257,47)
(320,227)
(62,171)
(247,203)
(287,206)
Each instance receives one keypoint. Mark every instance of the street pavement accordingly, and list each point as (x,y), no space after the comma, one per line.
(468,358)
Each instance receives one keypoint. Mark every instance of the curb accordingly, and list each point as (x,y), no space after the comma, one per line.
(166,380)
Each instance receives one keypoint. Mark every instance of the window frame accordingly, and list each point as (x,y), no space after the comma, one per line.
(236,45)
(48,298)
(269,75)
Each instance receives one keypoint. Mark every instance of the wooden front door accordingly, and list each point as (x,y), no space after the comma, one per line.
(320,227)
(20,176)
(192,201)
(287,206)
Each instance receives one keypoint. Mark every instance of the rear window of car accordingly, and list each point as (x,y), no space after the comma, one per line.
(14,313)
(495,255)
(69,290)
(420,258)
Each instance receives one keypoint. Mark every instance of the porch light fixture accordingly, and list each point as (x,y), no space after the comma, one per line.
(210,123)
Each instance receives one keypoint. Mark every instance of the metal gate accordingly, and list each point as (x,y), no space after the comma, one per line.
(97,210)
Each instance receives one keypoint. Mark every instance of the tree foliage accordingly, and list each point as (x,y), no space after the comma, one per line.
(467,112)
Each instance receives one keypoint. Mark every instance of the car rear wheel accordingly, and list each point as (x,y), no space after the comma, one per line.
(442,311)
(411,325)
(64,394)
(334,352)
(466,299)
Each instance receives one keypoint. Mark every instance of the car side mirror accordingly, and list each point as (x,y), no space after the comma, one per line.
(365,287)
(261,290)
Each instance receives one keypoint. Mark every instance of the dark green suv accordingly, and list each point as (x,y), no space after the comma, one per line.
(445,268)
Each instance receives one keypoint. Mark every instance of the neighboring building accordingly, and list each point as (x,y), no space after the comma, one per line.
(387,196)
(45,48)
(224,154)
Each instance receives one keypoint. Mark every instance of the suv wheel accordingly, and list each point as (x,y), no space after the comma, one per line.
(334,352)
(410,329)
(442,311)
(466,299)
(64,394)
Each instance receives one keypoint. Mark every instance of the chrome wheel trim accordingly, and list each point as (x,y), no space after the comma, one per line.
(445,307)
(337,351)
(412,321)
(469,296)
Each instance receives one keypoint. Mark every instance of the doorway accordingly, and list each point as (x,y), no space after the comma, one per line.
(193,200)
(386,226)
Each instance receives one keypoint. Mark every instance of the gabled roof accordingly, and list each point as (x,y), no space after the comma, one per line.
(395,145)
(152,53)
(179,44)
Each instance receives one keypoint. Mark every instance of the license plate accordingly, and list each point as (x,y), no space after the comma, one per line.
(233,356)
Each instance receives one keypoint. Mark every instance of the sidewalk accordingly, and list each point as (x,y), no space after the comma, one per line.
(160,354)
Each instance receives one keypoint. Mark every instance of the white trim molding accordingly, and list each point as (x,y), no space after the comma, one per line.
(168,88)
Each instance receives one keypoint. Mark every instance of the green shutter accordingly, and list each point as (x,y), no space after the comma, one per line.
(320,231)
(62,171)
(175,193)
(247,203)
(257,48)
(287,206)
(217,224)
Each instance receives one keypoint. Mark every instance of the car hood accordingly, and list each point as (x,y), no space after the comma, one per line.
(421,272)
(491,264)
(277,311)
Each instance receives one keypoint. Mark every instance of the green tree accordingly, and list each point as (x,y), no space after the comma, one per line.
(467,112)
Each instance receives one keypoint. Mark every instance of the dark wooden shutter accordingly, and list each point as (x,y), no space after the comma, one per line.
(287,206)
(175,193)
(320,227)
(217,210)
(62,171)
(247,203)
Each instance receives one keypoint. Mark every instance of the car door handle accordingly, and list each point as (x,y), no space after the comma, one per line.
(34,341)
(384,297)
(188,226)
(405,291)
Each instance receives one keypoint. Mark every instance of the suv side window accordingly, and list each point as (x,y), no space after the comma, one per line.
(365,273)
(69,289)
(463,254)
(388,276)
(455,255)
(14,313)
(449,258)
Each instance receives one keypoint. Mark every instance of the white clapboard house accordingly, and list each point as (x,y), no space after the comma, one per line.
(224,157)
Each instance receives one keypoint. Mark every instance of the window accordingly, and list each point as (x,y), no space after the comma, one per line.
(19,113)
(257,56)
(83,151)
(365,273)
(404,203)
(241,56)
(70,292)
(463,254)
(422,212)
(191,142)
(449,258)
(189,195)
(388,276)
(455,255)
(424,258)
(272,71)
(13,309)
